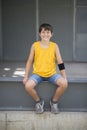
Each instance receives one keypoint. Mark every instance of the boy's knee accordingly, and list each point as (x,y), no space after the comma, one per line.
(63,83)
(29,85)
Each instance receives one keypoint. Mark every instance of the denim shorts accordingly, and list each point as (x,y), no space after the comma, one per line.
(38,79)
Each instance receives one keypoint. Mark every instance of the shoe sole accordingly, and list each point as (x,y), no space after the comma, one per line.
(39,112)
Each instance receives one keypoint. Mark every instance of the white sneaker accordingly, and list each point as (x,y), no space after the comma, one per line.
(54,108)
(40,107)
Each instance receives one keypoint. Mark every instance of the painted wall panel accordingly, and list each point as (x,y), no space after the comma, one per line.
(18,28)
(1,49)
(59,13)
(81,34)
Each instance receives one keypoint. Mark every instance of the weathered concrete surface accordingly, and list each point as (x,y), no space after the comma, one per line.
(16,69)
(2,121)
(28,120)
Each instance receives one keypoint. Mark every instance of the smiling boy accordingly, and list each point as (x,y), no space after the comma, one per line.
(44,54)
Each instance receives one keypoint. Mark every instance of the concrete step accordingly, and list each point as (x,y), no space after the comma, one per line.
(16,69)
(14,97)
(26,120)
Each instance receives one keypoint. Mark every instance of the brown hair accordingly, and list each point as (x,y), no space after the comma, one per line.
(46,26)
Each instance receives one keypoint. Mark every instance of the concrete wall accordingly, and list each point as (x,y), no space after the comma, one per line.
(26,120)
(20,21)
(81,30)
(1,49)
(60,14)
(14,97)
(18,28)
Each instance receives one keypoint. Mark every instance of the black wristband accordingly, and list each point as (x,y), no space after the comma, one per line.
(61,66)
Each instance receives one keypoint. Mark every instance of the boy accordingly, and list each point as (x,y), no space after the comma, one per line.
(44,54)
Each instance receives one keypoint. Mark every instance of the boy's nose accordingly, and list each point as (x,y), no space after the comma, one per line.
(45,33)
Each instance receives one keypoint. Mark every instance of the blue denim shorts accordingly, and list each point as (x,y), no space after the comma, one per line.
(38,79)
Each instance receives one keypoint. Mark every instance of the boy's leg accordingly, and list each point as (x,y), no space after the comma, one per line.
(62,86)
(30,85)
(30,88)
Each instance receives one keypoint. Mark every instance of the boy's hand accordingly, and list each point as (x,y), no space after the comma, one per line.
(25,80)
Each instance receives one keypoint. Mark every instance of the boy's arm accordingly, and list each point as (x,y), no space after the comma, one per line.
(59,61)
(28,64)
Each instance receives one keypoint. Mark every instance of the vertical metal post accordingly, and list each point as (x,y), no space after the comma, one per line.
(37,19)
(74,30)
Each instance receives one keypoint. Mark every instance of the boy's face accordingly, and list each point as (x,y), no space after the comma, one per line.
(45,34)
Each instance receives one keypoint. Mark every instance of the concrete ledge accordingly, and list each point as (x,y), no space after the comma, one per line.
(14,71)
(11,79)
(15,120)
(19,79)
(14,97)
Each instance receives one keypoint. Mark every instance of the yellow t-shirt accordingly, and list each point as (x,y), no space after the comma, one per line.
(44,60)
